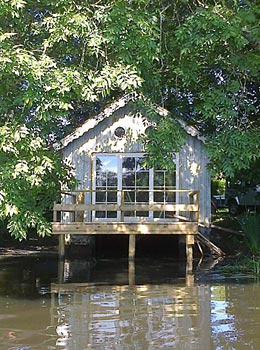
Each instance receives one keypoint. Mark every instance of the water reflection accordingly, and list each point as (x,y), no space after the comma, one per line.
(95,307)
(140,317)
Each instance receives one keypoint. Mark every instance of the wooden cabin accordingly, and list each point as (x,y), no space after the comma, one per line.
(116,194)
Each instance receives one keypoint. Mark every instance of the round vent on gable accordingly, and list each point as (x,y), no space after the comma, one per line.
(119,132)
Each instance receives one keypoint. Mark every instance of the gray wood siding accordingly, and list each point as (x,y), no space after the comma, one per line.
(193,174)
(192,161)
(102,139)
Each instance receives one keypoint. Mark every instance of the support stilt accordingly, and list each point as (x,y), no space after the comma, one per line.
(61,271)
(61,246)
(131,251)
(189,252)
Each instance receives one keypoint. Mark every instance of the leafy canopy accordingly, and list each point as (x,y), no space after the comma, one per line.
(61,61)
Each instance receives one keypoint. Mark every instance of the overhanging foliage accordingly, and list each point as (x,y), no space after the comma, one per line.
(61,61)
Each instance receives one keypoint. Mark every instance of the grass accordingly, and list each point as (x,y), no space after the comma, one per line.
(250,225)
(245,265)
(246,244)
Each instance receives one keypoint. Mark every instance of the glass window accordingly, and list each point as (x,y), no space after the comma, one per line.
(106,183)
(135,182)
(164,190)
(139,184)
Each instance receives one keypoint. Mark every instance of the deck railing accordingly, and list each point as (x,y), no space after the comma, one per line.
(182,216)
(184,208)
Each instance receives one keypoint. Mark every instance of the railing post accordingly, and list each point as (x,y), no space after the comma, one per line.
(55,216)
(197,216)
(80,200)
(122,202)
(73,215)
(191,201)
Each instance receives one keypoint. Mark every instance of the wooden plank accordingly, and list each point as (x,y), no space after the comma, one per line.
(225,229)
(125,228)
(213,248)
(190,192)
(126,207)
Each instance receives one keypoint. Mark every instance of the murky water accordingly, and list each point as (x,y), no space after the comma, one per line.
(76,306)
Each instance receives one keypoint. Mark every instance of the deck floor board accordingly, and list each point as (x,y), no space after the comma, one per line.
(93,228)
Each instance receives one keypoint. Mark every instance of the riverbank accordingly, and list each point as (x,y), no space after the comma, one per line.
(14,251)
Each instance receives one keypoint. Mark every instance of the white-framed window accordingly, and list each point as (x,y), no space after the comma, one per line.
(126,171)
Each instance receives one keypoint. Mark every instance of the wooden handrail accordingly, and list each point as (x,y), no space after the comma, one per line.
(189,192)
(126,207)
(76,208)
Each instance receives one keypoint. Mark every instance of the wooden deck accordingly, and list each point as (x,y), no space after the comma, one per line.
(129,228)
(76,218)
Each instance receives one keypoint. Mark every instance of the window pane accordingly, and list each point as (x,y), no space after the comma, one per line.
(111,180)
(100,214)
(170,179)
(159,178)
(139,163)
(106,164)
(112,197)
(142,179)
(101,197)
(170,197)
(101,180)
(144,214)
(128,180)
(129,213)
(142,196)
(129,196)
(159,197)
(128,164)
(111,214)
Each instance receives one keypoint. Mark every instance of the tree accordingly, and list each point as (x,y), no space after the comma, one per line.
(58,58)
(215,80)
(60,61)
(30,178)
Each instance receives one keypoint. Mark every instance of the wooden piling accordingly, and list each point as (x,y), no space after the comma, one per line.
(131,251)
(189,252)
(61,270)
(61,245)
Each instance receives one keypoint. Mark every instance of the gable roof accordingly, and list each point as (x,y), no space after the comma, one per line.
(109,111)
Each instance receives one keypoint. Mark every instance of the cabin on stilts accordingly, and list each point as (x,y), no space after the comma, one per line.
(117,194)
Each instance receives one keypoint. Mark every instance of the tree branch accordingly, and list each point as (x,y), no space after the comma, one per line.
(252,41)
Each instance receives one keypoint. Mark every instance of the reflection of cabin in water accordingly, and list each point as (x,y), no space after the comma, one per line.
(117,194)
(136,317)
